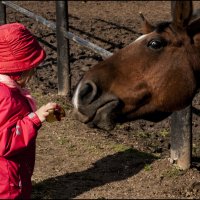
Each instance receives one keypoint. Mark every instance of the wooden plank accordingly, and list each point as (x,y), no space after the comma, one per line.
(181,138)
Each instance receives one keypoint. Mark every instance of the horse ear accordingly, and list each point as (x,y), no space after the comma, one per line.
(181,12)
(146,26)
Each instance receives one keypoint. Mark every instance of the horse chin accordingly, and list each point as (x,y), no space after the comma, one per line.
(104,117)
(157,116)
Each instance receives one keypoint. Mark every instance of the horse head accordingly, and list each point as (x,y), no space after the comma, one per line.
(149,79)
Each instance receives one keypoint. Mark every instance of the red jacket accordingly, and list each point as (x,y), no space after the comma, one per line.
(18,132)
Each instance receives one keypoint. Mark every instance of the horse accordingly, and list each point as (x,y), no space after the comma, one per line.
(152,77)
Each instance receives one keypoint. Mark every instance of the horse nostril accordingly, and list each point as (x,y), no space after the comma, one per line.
(87,93)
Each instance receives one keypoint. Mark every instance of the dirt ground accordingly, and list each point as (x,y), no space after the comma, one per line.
(76,162)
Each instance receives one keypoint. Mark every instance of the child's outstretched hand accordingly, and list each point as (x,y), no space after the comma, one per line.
(46,110)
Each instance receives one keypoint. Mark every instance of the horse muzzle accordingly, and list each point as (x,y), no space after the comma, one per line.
(94,108)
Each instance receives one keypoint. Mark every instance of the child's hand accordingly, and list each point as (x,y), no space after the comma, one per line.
(45,110)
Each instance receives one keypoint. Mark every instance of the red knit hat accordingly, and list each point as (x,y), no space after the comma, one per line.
(19,49)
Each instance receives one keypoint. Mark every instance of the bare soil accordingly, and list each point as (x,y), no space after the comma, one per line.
(76,162)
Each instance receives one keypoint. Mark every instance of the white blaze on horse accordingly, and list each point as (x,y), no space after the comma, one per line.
(152,77)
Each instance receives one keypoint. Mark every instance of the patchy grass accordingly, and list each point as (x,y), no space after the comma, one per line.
(173,172)
(164,133)
(147,167)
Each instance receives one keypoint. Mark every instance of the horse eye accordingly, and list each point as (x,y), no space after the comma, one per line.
(156,44)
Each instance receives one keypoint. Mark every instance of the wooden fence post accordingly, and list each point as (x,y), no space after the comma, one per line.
(64,79)
(2,13)
(181,138)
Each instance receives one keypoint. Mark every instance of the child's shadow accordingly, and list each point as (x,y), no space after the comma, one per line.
(112,168)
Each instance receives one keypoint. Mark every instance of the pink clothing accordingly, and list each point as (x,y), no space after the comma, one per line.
(18,132)
(12,84)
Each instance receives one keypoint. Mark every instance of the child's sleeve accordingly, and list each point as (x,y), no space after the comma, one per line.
(17,133)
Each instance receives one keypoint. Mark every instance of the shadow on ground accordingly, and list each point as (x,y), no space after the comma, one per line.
(109,169)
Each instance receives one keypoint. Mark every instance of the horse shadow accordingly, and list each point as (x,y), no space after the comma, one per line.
(111,168)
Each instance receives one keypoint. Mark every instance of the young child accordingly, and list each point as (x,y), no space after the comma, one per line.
(20,53)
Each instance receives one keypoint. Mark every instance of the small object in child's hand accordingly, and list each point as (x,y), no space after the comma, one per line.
(55,114)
